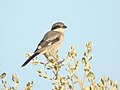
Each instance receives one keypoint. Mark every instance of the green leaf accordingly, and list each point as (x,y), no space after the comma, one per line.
(70,86)
(3,76)
(90,75)
(35,62)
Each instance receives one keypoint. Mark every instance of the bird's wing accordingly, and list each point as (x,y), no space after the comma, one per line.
(50,38)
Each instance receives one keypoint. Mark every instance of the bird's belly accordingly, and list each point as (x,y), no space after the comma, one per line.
(54,48)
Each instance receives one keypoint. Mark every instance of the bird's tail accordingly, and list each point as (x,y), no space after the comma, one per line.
(29,59)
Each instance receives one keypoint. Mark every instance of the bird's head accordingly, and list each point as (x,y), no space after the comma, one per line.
(59,26)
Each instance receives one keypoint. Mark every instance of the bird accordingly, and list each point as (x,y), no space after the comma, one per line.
(51,42)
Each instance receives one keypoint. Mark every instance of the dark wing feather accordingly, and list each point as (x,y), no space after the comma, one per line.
(50,38)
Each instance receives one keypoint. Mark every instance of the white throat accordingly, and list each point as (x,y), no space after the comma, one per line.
(59,30)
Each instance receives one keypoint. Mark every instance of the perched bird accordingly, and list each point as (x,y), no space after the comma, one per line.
(50,43)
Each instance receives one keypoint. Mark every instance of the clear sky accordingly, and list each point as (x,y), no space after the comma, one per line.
(24,22)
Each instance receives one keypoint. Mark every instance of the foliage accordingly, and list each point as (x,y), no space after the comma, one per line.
(4,83)
(67,82)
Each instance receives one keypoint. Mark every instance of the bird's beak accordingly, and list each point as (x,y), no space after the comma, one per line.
(64,26)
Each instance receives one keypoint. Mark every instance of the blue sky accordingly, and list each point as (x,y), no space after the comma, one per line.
(23,24)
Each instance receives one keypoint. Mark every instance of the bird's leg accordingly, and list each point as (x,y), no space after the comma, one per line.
(55,57)
(47,56)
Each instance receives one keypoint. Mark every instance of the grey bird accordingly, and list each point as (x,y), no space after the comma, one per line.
(50,43)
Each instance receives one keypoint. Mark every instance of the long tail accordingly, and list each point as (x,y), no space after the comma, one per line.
(29,59)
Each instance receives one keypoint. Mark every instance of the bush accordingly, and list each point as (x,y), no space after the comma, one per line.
(67,82)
